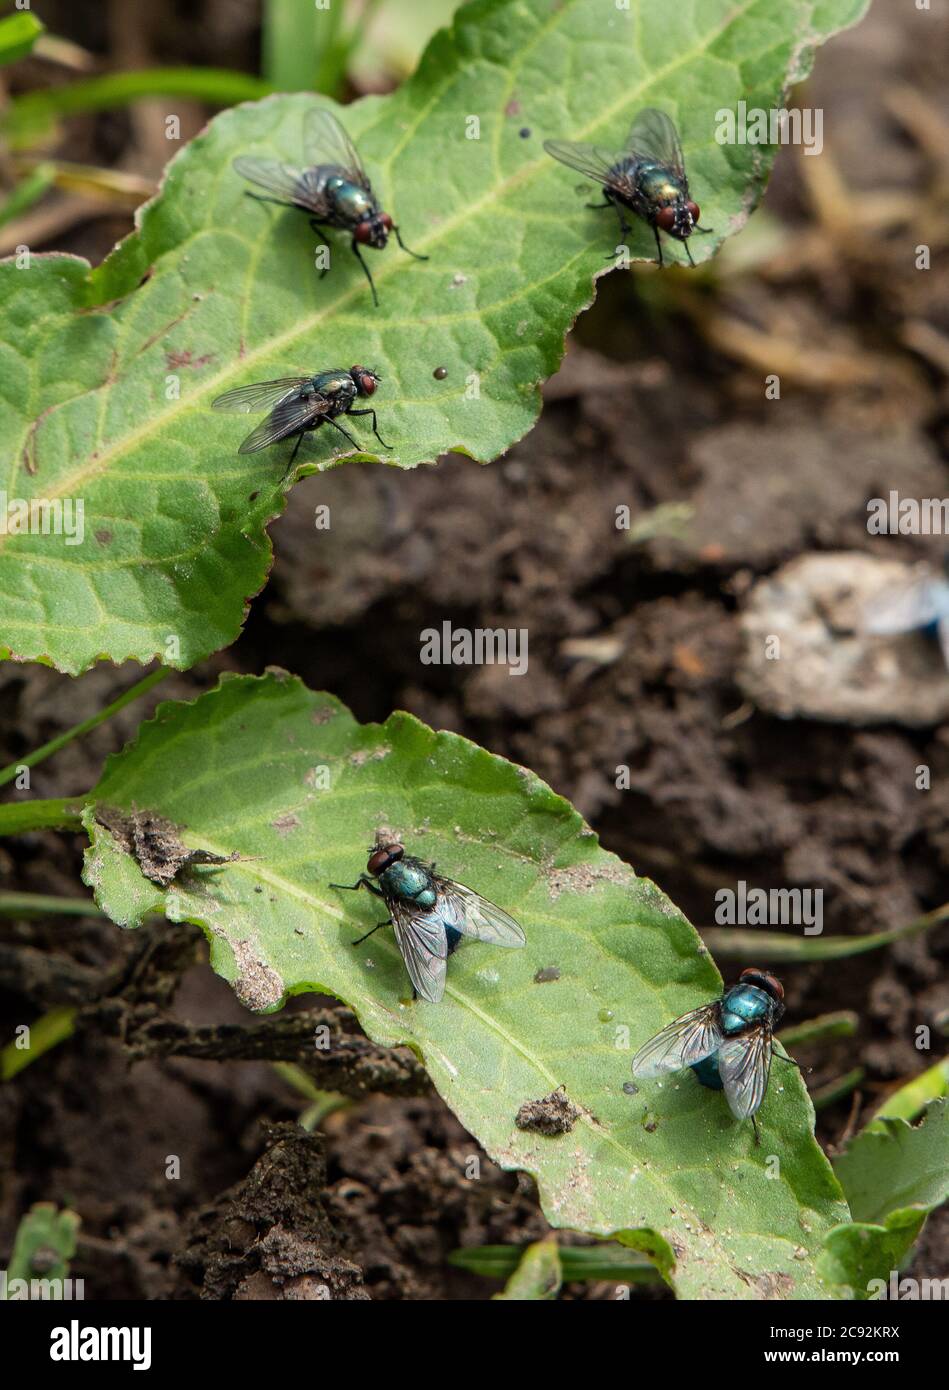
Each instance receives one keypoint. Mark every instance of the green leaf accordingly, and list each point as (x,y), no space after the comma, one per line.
(18,34)
(32,117)
(216,290)
(894,1175)
(911,1099)
(537,1277)
(27,192)
(46,1032)
(45,1243)
(244,769)
(290,42)
(611,1263)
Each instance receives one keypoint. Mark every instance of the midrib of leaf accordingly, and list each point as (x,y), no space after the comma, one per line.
(527,171)
(427,1048)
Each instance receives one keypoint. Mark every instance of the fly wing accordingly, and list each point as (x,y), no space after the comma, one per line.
(591,160)
(289,416)
(282,180)
(943,633)
(326,142)
(910,607)
(472,915)
(686,1040)
(259,395)
(653,135)
(423,944)
(744,1064)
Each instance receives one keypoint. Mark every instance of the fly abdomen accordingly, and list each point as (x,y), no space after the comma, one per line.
(708,1073)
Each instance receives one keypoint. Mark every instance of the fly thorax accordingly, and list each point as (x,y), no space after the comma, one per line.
(743,1006)
(351,201)
(409,881)
(654,183)
(341,391)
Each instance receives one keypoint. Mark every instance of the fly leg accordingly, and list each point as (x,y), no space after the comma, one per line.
(406,248)
(317,228)
(359,940)
(688,253)
(791,1062)
(355,248)
(363,881)
(624,230)
(374,426)
(655,232)
(294,454)
(356,444)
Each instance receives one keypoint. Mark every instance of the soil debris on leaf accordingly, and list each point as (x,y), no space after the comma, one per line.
(547,975)
(154,843)
(555,1114)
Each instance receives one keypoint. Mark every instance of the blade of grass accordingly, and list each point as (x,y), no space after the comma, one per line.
(837,1025)
(134,692)
(24,905)
(836,1090)
(911,1099)
(538,1276)
(331,53)
(27,192)
(30,117)
(741,945)
(322,1103)
(607,1262)
(127,189)
(288,45)
(57,813)
(18,34)
(47,1032)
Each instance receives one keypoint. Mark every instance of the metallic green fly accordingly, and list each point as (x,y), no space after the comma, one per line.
(299,404)
(648,177)
(334,189)
(431,914)
(728,1043)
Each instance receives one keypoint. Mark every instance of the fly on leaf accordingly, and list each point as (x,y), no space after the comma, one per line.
(431,915)
(333,188)
(647,177)
(728,1043)
(298,404)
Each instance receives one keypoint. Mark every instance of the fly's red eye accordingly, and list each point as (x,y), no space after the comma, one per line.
(694,211)
(666,219)
(763,978)
(365,380)
(382,856)
(386,221)
(363,232)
